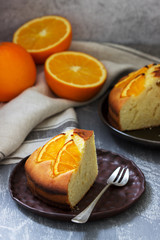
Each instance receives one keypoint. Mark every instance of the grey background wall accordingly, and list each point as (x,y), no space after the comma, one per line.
(129,22)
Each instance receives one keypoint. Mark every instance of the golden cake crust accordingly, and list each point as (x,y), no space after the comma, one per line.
(83,133)
(41,181)
(115,103)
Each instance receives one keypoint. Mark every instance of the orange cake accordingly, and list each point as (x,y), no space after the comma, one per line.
(63,170)
(134,102)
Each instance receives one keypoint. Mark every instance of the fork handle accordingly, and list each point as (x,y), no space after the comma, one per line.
(85,214)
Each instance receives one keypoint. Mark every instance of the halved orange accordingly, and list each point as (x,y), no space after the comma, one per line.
(50,149)
(68,158)
(74,75)
(44,36)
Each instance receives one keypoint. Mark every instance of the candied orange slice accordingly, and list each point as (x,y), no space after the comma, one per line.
(134,83)
(52,148)
(135,87)
(131,77)
(68,158)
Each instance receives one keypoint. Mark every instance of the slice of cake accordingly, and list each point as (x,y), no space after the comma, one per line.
(63,170)
(134,102)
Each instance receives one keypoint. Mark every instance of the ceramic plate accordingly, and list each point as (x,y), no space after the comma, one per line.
(113,201)
(147,136)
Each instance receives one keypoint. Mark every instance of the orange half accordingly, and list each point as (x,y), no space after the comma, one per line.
(74,75)
(44,36)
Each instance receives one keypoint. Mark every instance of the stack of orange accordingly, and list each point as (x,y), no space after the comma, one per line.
(73,75)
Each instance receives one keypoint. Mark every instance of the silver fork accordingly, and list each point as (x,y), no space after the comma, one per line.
(118,178)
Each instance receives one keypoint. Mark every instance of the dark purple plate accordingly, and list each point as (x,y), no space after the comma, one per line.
(147,137)
(113,201)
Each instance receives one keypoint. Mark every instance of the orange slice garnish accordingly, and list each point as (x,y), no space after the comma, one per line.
(130,77)
(17,71)
(68,158)
(134,83)
(51,149)
(135,87)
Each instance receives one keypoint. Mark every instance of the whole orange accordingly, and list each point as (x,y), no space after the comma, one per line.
(17,70)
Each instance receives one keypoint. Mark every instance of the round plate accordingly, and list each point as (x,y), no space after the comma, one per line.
(113,201)
(147,136)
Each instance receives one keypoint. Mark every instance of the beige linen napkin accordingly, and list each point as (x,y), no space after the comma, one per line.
(36,115)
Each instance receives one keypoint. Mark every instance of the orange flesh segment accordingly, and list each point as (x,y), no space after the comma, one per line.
(77,70)
(68,158)
(51,149)
(34,35)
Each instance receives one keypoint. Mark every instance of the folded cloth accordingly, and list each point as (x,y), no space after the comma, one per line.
(36,115)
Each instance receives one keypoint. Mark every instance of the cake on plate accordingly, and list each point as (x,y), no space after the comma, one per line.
(63,170)
(134,102)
